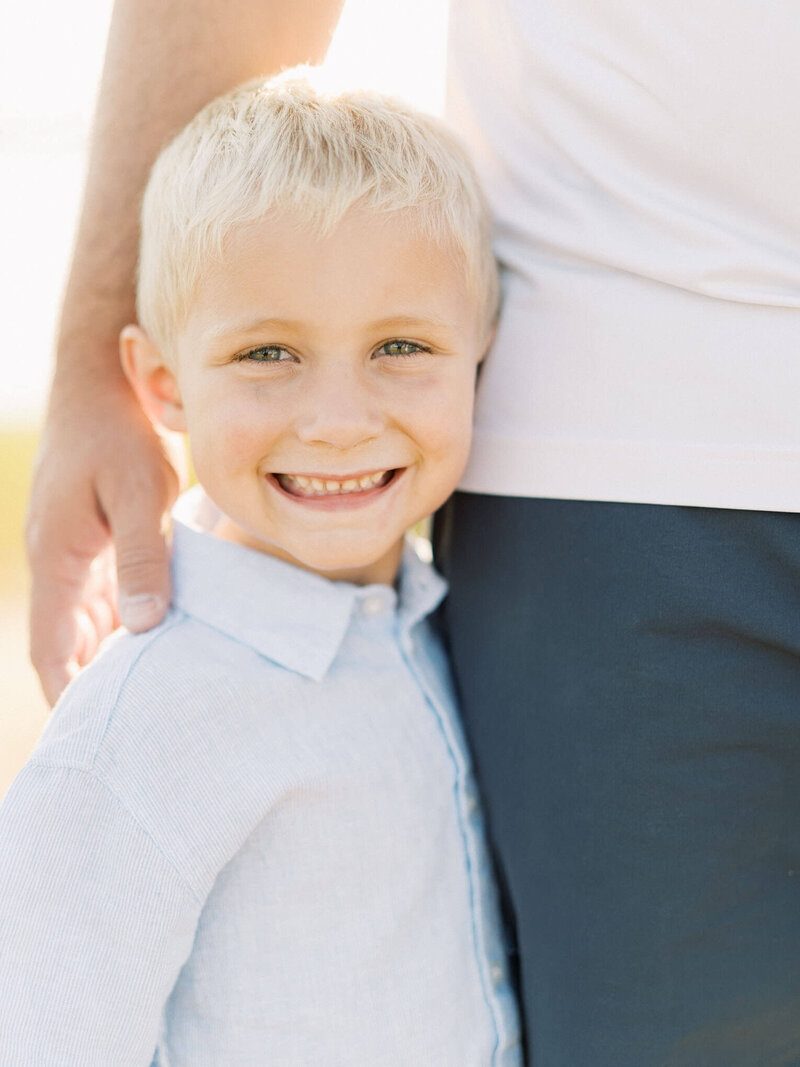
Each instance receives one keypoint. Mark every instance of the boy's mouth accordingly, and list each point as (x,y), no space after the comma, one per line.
(315,487)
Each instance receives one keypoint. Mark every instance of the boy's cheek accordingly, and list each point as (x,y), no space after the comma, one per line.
(227,424)
(221,452)
(446,457)
(448,423)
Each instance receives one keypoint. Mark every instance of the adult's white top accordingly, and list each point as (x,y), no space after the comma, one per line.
(643,161)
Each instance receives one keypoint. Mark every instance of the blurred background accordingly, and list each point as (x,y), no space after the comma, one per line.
(50,62)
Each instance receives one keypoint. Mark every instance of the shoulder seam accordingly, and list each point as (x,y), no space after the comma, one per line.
(159,631)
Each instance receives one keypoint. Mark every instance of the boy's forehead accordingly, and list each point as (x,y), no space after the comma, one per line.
(281,271)
(359,230)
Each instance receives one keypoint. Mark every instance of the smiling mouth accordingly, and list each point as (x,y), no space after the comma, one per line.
(313,487)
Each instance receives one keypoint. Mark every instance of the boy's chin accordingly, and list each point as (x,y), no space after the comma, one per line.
(347,563)
(342,556)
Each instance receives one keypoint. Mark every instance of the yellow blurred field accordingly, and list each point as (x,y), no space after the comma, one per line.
(17,449)
(22,706)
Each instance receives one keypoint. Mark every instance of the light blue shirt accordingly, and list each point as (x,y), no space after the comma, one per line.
(251,837)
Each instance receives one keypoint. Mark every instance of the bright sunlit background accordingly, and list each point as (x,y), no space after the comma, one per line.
(50,61)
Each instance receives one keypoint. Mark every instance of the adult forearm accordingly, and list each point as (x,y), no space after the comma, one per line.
(165,59)
(104,479)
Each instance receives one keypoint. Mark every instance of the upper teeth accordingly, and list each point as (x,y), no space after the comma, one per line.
(334,485)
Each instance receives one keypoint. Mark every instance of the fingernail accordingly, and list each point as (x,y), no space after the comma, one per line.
(140,612)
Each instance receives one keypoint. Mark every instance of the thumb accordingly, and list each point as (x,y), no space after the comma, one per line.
(143,577)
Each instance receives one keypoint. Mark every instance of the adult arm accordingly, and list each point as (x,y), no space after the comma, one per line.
(104,479)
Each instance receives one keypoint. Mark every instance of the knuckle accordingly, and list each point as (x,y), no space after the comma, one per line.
(138,562)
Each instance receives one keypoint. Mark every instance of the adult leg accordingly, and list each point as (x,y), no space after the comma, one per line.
(630,682)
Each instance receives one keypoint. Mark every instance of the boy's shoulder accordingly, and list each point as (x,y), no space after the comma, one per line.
(169,722)
(145,682)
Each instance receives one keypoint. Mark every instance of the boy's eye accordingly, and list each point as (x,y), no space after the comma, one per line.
(266,354)
(401,348)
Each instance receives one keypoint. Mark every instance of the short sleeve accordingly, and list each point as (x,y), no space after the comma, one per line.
(95,925)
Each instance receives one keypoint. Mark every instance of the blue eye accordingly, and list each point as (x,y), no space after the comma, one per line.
(401,348)
(266,354)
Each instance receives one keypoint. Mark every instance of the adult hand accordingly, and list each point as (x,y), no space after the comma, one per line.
(103,486)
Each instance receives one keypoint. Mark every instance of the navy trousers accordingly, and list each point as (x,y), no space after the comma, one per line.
(630,683)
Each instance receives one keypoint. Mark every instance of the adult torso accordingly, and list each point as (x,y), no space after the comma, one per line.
(642,164)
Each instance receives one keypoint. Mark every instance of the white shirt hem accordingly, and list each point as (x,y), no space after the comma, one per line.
(696,475)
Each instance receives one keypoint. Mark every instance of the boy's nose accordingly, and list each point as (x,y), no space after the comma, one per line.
(341,413)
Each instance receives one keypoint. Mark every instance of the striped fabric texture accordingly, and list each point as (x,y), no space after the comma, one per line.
(251,836)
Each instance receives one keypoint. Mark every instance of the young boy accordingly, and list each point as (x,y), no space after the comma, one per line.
(251,836)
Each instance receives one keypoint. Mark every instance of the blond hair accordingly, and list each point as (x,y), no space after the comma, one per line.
(286,144)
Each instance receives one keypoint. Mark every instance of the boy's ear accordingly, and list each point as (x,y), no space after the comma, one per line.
(151,378)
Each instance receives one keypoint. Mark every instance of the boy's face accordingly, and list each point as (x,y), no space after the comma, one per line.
(327,385)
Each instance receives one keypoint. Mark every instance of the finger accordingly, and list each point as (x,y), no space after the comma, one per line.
(55,678)
(100,616)
(142,564)
(100,595)
(55,640)
(59,575)
(89,638)
(103,585)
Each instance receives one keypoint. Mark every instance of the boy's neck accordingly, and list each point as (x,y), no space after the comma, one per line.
(382,571)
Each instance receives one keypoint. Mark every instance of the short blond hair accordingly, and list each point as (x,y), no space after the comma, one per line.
(287,144)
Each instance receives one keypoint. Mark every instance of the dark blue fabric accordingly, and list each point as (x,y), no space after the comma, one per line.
(630,682)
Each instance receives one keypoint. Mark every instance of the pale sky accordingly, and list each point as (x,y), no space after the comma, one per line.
(50,60)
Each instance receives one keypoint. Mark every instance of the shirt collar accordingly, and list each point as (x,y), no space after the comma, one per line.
(293,617)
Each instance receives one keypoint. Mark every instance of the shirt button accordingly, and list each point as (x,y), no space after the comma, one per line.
(372,605)
(472,803)
(497,974)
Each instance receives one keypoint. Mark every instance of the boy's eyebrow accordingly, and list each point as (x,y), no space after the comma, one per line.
(398,322)
(251,326)
(391,323)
